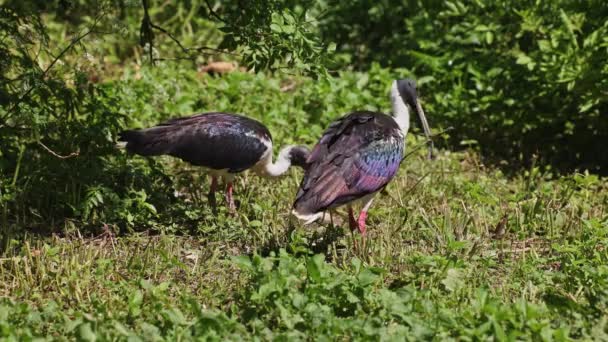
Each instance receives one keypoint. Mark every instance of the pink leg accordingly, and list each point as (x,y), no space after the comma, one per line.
(361,222)
(229,198)
(363,215)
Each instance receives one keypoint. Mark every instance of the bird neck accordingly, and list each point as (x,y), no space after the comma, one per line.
(401,113)
(281,164)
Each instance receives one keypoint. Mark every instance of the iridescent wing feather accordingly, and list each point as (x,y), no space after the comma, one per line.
(357,155)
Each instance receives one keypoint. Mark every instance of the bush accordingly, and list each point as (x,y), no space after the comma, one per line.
(58,124)
(516,79)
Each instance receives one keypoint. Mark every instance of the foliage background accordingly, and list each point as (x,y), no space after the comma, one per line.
(519,78)
(522,84)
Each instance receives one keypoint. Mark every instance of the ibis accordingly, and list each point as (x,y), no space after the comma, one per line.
(357,156)
(223,143)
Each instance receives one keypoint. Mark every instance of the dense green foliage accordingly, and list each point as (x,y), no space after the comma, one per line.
(516,78)
(433,269)
(457,250)
(58,125)
(521,82)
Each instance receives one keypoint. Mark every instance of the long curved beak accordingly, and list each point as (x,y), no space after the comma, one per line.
(425,127)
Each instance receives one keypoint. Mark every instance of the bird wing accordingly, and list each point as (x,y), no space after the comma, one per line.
(215,140)
(357,155)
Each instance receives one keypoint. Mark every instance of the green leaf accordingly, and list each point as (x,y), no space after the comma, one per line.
(367,277)
(135,302)
(489,37)
(243,262)
(523,59)
(569,27)
(85,332)
(120,328)
(255,223)
(453,280)
(499,331)
(276,28)
(351,298)
(544,45)
(315,267)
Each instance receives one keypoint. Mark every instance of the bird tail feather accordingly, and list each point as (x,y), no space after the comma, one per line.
(307,218)
(145,142)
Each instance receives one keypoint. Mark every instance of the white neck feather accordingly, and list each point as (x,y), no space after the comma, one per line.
(401,112)
(280,166)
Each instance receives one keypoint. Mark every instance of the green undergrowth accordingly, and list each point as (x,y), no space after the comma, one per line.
(169,289)
(492,240)
(438,263)
(455,250)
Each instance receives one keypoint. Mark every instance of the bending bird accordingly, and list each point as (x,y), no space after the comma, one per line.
(224,143)
(357,156)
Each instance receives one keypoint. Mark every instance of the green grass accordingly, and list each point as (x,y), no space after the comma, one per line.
(433,267)
(455,250)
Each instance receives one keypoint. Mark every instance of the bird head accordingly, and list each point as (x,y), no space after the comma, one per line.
(406,90)
(298,155)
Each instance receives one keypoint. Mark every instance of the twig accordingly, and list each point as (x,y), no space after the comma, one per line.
(147,36)
(212,12)
(419,146)
(145,33)
(55,60)
(185,49)
(73,154)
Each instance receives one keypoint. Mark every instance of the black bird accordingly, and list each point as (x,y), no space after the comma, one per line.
(224,143)
(357,156)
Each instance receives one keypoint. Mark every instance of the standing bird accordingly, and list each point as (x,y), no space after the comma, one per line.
(224,143)
(357,156)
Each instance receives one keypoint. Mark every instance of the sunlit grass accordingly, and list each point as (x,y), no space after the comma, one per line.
(435,233)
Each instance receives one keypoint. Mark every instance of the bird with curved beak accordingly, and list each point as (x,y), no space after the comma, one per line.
(357,156)
(225,144)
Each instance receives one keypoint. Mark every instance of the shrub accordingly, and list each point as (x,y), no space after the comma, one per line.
(517,79)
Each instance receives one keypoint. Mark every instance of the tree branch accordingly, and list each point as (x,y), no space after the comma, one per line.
(53,62)
(147,35)
(145,32)
(73,154)
(212,12)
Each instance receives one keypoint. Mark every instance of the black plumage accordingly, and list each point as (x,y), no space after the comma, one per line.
(224,143)
(219,141)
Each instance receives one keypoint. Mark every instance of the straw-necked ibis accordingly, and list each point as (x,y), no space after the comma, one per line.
(357,156)
(226,144)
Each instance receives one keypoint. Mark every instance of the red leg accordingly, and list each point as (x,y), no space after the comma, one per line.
(229,198)
(361,222)
(363,215)
(352,223)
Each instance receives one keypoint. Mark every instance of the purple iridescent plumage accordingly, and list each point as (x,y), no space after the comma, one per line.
(356,156)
